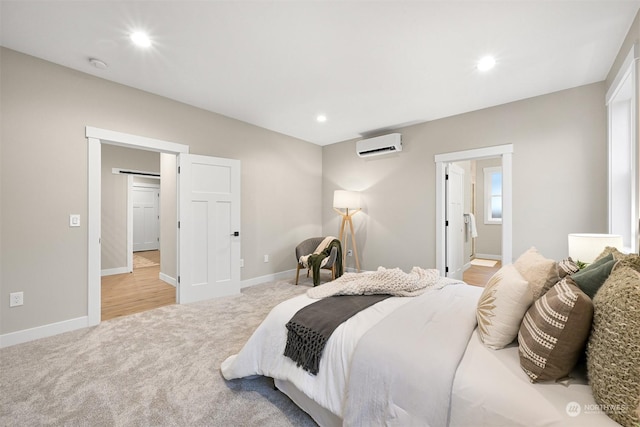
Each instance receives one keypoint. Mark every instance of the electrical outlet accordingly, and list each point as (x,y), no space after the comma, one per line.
(16,299)
(74,220)
(266,258)
(350,252)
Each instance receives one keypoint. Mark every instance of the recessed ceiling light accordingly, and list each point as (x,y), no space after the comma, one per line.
(486,63)
(140,39)
(321,118)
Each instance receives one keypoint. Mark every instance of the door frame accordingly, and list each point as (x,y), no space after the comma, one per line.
(95,138)
(505,152)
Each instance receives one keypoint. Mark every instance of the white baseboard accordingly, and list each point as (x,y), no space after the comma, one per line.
(112,271)
(168,279)
(267,278)
(44,331)
(489,256)
(49,330)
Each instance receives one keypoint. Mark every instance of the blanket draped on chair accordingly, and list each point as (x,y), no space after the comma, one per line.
(319,257)
(310,328)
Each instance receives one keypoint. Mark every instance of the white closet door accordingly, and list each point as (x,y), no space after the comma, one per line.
(146,221)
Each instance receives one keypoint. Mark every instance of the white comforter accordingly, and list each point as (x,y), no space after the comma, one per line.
(352,382)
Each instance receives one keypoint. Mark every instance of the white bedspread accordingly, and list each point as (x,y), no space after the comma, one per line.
(403,370)
(263,352)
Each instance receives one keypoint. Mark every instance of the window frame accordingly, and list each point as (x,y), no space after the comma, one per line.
(488,173)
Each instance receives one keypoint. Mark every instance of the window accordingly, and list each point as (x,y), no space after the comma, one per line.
(493,195)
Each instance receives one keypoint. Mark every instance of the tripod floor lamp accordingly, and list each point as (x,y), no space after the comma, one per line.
(350,202)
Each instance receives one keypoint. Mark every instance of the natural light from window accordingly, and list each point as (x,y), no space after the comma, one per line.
(493,195)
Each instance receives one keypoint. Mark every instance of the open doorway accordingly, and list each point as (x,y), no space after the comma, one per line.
(207,265)
(474,219)
(450,244)
(96,138)
(131,279)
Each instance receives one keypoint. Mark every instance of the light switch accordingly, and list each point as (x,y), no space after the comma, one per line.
(74,220)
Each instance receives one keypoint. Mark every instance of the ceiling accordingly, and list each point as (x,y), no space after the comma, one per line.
(367,66)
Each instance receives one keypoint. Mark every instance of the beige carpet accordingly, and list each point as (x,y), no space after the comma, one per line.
(157,368)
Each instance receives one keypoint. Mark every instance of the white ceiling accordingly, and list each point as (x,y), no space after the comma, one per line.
(368,66)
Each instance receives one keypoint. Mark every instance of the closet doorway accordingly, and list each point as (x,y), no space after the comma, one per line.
(473,197)
(504,153)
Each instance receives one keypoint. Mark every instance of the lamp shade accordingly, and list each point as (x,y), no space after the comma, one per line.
(346,199)
(586,247)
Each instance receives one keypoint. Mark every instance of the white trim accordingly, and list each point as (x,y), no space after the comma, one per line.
(94,252)
(116,270)
(43,331)
(168,279)
(623,73)
(474,154)
(95,138)
(628,70)
(130,222)
(506,153)
(267,278)
(134,141)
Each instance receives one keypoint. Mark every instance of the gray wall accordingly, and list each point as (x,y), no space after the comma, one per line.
(168,216)
(45,108)
(115,190)
(559,177)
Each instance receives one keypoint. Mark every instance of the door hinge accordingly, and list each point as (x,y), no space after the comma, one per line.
(178,224)
(446,270)
(446,177)
(446,223)
(178,279)
(178,169)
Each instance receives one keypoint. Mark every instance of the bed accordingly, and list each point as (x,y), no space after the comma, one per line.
(414,361)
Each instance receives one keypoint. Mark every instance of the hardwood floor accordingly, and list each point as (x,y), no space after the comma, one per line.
(142,290)
(478,275)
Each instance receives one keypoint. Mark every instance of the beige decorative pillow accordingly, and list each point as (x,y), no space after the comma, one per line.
(540,272)
(554,332)
(505,299)
(613,352)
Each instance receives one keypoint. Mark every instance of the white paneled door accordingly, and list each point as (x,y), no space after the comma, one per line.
(455,221)
(146,219)
(209,227)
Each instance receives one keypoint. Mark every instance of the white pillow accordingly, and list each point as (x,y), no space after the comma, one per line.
(502,306)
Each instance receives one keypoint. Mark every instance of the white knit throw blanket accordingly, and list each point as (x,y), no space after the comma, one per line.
(384,281)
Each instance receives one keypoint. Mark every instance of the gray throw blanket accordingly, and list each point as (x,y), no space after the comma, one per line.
(310,328)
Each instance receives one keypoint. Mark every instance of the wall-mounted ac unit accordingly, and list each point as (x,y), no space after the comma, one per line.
(384,144)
